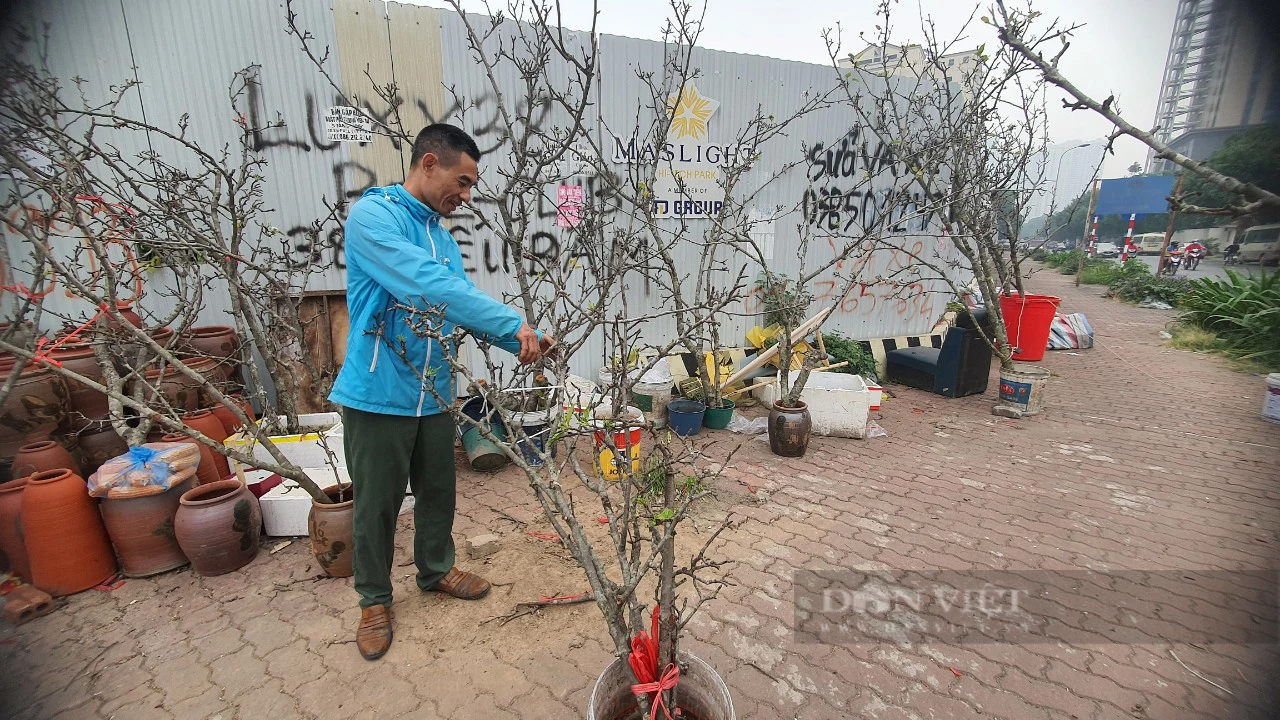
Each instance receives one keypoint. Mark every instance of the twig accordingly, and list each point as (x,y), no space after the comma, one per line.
(527,608)
(1193,672)
(509,516)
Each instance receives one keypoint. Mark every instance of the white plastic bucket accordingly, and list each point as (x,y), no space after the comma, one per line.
(1023,387)
(652,398)
(1271,403)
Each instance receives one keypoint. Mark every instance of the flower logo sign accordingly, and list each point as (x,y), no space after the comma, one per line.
(691,112)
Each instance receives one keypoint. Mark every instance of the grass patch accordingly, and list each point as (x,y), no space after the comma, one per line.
(1195,339)
(1100,272)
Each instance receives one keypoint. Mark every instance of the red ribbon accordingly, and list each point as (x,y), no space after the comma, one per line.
(670,676)
(644,663)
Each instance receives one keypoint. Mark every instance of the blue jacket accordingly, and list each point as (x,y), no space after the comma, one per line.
(397,250)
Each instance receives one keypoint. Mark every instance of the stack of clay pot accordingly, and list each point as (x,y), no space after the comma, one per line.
(220,345)
(35,409)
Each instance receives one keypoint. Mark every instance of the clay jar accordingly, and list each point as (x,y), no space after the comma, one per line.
(43,455)
(207,470)
(218,526)
(100,442)
(142,530)
(789,429)
(85,404)
(330,527)
(218,343)
(11,542)
(228,419)
(181,392)
(208,424)
(33,410)
(66,542)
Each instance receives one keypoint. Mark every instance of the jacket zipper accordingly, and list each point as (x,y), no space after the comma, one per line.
(422,392)
(376,346)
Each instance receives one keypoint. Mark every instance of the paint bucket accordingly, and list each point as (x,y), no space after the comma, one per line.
(1027,321)
(536,429)
(1023,387)
(1271,403)
(627,431)
(652,399)
(685,416)
(483,453)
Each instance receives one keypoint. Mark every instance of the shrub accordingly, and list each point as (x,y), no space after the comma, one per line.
(1068,262)
(841,348)
(1100,272)
(1039,255)
(1134,282)
(1243,310)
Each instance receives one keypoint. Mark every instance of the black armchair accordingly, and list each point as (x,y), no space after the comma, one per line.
(960,367)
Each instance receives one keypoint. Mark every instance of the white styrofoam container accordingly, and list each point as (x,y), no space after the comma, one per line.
(838,403)
(304,449)
(285,507)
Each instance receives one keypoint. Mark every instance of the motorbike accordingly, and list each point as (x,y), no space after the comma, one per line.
(1172,263)
(1193,258)
(1231,257)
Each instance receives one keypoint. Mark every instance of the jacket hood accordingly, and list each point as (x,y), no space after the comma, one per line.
(419,210)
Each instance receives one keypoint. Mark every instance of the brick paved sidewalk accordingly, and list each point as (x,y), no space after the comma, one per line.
(1150,475)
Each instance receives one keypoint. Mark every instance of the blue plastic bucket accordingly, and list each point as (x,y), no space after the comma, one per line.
(536,430)
(685,416)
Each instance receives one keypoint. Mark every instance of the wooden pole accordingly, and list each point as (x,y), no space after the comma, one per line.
(1088,221)
(1168,231)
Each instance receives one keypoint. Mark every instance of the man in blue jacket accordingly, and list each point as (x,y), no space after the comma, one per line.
(394,425)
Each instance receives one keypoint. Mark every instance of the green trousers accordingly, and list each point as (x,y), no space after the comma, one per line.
(382,451)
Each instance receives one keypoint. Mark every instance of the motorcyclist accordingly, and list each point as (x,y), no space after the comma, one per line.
(1171,259)
(1231,254)
(1192,253)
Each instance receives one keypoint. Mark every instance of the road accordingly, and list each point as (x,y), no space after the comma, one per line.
(1210,267)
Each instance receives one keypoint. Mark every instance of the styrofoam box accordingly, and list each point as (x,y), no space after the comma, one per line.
(838,403)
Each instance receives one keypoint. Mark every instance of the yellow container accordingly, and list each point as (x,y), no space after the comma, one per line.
(627,433)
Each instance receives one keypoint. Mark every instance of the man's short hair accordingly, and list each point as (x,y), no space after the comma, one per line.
(445,142)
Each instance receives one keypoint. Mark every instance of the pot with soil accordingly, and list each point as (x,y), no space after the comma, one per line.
(43,455)
(218,526)
(330,527)
(66,541)
(718,418)
(35,407)
(789,429)
(11,543)
(701,693)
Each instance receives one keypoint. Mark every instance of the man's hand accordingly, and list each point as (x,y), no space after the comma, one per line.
(548,347)
(529,348)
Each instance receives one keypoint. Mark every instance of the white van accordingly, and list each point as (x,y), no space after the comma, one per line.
(1149,243)
(1261,244)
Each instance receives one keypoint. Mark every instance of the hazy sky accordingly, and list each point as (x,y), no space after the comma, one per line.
(1121,48)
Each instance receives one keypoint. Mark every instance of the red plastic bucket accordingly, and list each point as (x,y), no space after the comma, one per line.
(1028,320)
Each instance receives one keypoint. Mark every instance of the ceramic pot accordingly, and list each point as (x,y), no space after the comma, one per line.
(11,542)
(100,442)
(35,407)
(228,418)
(84,404)
(126,313)
(43,455)
(218,343)
(207,470)
(330,527)
(208,424)
(789,429)
(183,393)
(218,526)
(142,531)
(66,542)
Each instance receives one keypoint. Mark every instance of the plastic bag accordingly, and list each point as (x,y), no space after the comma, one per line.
(145,470)
(740,424)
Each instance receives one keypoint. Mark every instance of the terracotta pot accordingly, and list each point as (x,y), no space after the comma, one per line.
(208,424)
(789,430)
(181,392)
(11,542)
(127,313)
(33,410)
(142,530)
(165,338)
(228,418)
(43,455)
(218,343)
(218,526)
(100,443)
(66,542)
(207,470)
(330,527)
(85,404)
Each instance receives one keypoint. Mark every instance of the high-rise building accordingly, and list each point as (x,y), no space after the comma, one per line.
(1066,172)
(1221,76)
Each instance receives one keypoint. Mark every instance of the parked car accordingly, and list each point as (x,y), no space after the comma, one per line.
(1261,244)
(1106,250)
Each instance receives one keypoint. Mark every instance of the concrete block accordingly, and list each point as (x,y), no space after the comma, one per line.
(481,546)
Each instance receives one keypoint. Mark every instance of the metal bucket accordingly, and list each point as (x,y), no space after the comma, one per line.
(700,693)
(483,453)
(1023,387)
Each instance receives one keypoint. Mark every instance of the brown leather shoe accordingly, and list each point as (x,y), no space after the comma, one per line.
(374,636)
(462,584)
